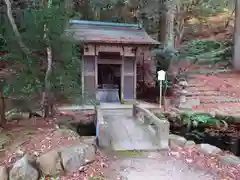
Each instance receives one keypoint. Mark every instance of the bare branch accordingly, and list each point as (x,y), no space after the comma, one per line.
(14,27)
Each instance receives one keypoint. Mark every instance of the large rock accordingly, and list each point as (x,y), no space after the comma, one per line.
(69,133)
(3,173)
(76,156)
(4,140)
(89,140)
(183,83)
(90,152)
(208,149)
(23,170)
(176,140)
(189,104)
(230,159)
(50,163)
(189,144)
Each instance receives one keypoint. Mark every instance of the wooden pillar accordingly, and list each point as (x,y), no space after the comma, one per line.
(82,78)
(96,70)
(135,76)
(122,77)
(236,55)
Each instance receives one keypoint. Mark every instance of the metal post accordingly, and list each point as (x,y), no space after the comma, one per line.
(160,95)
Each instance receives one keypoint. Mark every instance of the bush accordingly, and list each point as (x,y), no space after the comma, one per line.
(207,51)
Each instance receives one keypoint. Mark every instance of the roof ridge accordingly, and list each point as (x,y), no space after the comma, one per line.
(110,24)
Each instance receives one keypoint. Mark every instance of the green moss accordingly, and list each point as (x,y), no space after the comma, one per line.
(128,153)
(96,178)
(130,102)
(160,116)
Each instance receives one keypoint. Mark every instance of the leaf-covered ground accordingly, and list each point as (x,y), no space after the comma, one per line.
(179,163)
(40,138)
(217,92)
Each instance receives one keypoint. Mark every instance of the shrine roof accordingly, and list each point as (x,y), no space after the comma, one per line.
(106,32)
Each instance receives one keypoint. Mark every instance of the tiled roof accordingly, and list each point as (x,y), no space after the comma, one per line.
(103,32)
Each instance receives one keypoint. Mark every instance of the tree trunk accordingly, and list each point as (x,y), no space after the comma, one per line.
(166,23)
(170,26)
(162,22)
(14,27)
(86,10)
(2,109)
(47,91)
(46,99)
(166,28)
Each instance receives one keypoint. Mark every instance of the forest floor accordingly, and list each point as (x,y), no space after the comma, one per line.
(179,163)
(18,138)
(42,137)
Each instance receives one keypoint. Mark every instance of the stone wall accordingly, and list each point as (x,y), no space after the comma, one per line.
(53,163)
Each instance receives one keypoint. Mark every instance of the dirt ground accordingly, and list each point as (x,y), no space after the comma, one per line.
(179,164)
(25,137)
(41,137)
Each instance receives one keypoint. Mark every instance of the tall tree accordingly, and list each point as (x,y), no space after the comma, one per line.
(42,27)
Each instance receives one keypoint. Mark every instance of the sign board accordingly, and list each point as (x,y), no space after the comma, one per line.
(161,75)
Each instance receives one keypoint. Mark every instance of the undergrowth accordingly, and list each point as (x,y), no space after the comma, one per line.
(207,51)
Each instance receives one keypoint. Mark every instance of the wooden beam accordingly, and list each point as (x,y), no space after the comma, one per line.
(82,78)
(96,70)
(110,61)
(135,76)
(122,77)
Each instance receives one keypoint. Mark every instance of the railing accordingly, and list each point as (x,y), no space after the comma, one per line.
(102,131)
(159,128)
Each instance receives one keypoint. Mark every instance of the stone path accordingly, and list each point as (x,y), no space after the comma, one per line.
(162,167)
(127,134)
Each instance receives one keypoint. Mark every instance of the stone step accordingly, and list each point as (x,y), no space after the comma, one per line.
(220,101)
(207,72)
(206,93)
(208,100)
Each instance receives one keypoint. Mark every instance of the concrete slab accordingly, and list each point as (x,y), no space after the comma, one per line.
(76,107)
(126,133)
(106,106)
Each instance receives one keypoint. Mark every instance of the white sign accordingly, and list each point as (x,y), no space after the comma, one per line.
(161,75)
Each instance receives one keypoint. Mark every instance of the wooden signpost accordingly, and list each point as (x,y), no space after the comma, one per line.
(161,77)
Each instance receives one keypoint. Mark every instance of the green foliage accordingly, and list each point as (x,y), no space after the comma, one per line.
(96,178)
(165,58)
(207,51)
(2,43)
(29,80)
(207,8)
(199,118)
(197,47)
(66,79)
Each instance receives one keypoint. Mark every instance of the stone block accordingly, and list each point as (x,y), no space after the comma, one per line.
(230,159)
(208,149)
(178,140)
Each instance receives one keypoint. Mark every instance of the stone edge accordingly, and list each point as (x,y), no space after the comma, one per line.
(179,141)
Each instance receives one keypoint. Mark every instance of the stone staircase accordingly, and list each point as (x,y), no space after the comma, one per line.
(210,86)
(213,91)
